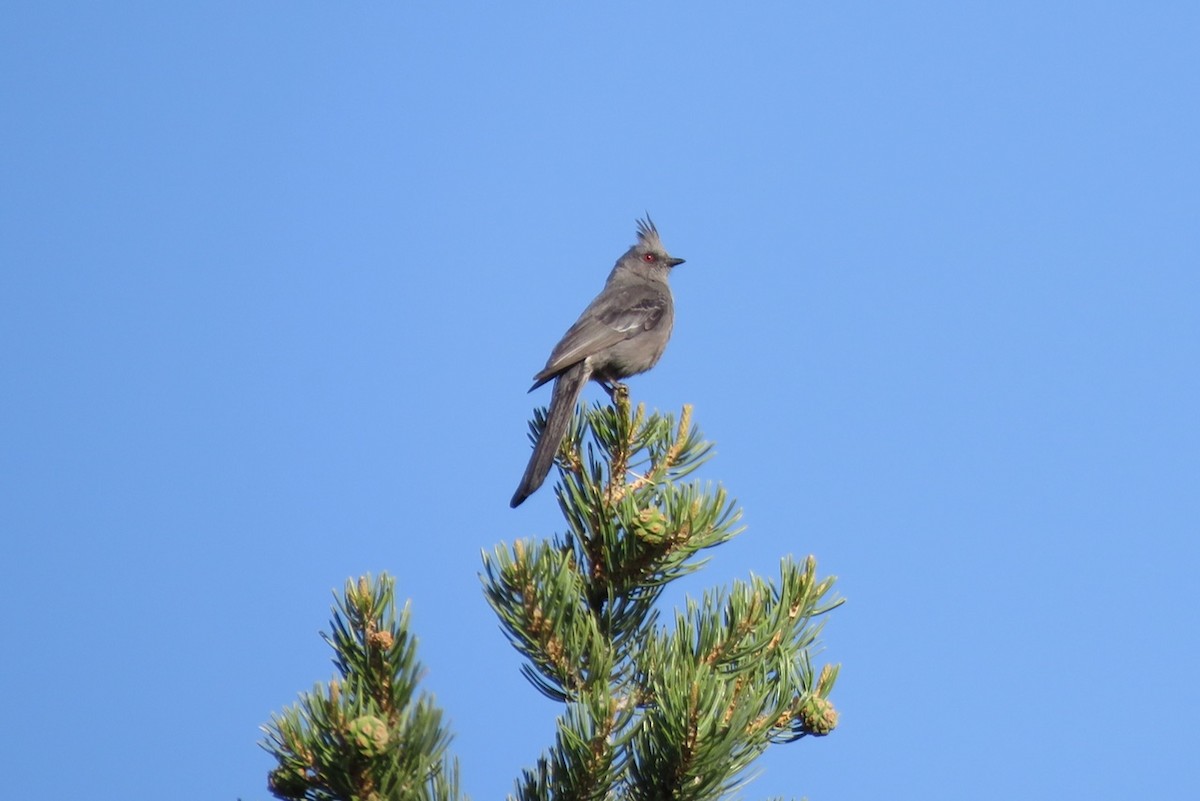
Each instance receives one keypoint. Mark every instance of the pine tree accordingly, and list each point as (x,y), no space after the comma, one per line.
(368,735)
(651,710)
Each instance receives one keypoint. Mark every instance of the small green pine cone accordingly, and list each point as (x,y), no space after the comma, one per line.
(817,716)
(650,526)
(369,735)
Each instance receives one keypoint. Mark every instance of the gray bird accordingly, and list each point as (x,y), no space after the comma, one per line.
(621,333)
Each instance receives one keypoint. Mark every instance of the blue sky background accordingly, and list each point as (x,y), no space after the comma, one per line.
(275,277)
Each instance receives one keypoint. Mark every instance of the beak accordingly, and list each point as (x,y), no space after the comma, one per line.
(675,262)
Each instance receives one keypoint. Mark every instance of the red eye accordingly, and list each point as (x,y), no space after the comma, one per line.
(649,258)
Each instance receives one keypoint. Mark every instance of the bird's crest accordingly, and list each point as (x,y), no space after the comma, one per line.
(648,234)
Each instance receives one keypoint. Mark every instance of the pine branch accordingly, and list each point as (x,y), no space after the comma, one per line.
(366,736)
(654,712)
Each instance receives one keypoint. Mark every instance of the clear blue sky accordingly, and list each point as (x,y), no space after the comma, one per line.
(275,277)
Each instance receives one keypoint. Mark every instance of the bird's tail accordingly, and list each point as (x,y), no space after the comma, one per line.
(567,387)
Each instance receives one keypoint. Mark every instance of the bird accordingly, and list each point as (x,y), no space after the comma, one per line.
(622,332)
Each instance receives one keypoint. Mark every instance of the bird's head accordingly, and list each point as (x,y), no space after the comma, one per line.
(648,253)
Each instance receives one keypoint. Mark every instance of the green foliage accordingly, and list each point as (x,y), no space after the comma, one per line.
(654,711)
(367,736)
(651,710)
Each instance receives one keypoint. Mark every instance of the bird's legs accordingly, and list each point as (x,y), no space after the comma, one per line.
(616,390)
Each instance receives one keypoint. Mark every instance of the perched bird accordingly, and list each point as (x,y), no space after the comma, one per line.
(621,333)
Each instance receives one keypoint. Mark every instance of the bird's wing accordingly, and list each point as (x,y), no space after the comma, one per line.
(614,315)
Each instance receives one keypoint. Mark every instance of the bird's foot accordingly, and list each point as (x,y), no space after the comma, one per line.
(617,392)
